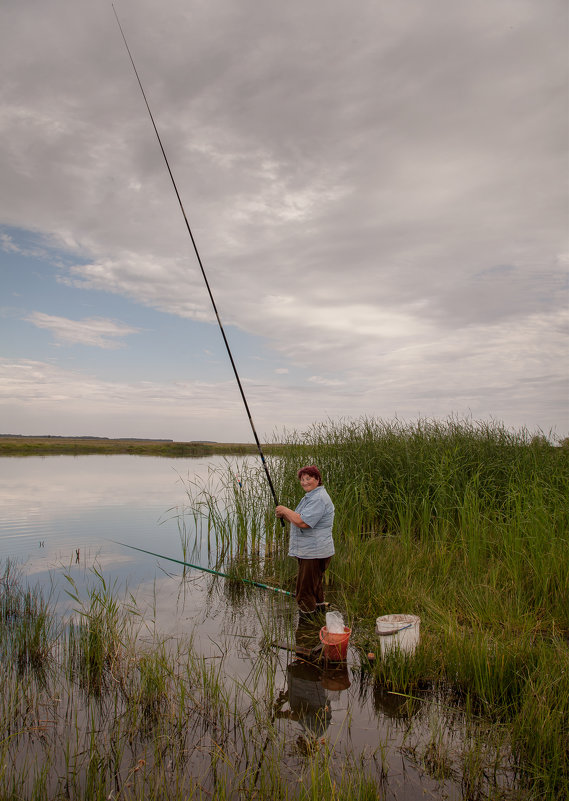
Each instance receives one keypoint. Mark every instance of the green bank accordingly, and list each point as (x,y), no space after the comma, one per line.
(11,445)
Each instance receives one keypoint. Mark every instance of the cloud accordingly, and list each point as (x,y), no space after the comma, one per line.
(8,245)
(375,194)
(170,285)
(95,331)
(326,382)
(33,391)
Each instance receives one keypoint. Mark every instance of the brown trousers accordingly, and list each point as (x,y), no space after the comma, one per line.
(309,589)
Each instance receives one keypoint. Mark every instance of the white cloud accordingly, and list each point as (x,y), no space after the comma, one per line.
(32,392)
(326,382)
(94,331)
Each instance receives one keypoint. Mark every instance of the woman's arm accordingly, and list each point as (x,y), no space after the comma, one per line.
(291,516)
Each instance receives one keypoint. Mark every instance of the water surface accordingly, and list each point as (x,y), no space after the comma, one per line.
(63,516)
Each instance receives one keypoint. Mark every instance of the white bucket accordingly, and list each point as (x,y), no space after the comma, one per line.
(398,631)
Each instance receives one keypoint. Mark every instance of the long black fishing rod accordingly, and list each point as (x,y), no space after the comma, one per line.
(274,494)
(206,569)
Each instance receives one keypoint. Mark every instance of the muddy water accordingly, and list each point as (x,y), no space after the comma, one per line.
(64,515)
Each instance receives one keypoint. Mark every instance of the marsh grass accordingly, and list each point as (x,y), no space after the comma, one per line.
(129,717)
(466,525)
(231,513)
(27,631)
(97,647)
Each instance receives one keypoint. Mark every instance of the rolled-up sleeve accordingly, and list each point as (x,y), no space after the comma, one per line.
(313,510)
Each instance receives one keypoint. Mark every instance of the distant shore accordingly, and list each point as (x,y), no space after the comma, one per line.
(16,445)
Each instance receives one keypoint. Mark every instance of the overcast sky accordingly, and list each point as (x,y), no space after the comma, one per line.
(377,188)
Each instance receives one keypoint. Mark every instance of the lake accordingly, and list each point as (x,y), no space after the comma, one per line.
(69,515)
(62,521)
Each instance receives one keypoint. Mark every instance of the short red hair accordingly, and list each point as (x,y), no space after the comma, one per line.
(310,470)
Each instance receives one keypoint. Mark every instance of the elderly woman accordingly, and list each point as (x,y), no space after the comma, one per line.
(311,540)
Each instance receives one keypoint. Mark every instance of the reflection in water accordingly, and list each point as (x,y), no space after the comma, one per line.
(311,683)
(306,637)
(307,698)
(59,510)
(394,705)
(310,688)
(75,506)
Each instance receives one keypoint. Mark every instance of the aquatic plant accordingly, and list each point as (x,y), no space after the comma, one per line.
(27,630)
(97,639)
(465,524)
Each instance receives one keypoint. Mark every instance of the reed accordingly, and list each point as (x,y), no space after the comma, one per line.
(27,630)
(232,510)
(97,640)
(465,524)
(168,722)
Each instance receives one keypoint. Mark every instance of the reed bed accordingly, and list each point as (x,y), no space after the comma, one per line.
(466,525)
(110,715)
(462,524)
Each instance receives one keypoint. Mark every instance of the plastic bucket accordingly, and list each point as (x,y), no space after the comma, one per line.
(398,631)
(335,645)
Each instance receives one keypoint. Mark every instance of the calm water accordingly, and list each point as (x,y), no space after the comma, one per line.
(61,515)
(66,515)
(53,506)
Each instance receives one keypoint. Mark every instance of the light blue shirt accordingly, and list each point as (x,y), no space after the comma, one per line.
(317,511)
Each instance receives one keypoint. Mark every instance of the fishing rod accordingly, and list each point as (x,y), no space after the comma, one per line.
(210,293)
(205,569)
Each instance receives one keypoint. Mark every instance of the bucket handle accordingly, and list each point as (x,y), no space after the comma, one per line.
(390,633)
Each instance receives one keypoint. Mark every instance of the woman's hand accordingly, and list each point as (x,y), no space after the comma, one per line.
(291,516)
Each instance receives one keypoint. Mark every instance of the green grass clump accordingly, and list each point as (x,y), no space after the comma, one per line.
(27,630)
(464,524)
(97,638)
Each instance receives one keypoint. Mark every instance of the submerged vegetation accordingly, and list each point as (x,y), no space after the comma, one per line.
(464,525)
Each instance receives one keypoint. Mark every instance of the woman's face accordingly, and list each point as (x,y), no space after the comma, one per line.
(308,483)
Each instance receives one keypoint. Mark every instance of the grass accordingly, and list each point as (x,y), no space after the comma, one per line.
(115,716)
(467,526)
(26,628)
(96,641)
(126,717)
(75,446)
(463,524)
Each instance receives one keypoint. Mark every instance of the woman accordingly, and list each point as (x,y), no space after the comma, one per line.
(311,540)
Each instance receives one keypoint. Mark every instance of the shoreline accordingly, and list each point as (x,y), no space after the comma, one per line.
(20,445)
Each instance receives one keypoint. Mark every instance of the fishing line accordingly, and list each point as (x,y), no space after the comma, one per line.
(205,569)
(201,268)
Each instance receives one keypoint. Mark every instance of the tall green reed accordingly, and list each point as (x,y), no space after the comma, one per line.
(466,524)
(27,629)
(97,640)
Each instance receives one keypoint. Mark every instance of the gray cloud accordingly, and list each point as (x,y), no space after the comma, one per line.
(379,189)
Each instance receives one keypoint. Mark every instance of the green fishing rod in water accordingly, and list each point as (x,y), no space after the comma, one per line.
(210,293)
(205,569)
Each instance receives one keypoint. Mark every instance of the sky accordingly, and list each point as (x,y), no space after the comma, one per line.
(378,192)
